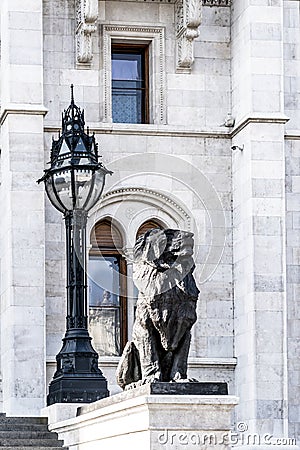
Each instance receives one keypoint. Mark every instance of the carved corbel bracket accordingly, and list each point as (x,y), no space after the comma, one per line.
(188,18)
(86,18)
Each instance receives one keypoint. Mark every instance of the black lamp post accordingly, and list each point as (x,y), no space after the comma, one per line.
(74,184)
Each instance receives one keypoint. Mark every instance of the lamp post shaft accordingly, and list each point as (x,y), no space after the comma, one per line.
(76,269)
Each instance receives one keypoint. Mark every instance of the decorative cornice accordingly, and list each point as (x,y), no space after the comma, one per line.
(193,362)
(212,362)
(230,363)
(132,29)
(150,1)
(86,18)
(150,130)
(33,110)
(205,2)
(188,14)
(292,135)
(259,118)
(216,2)
(213,134)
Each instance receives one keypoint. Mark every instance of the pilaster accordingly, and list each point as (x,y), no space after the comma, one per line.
(259,216)
(22,213)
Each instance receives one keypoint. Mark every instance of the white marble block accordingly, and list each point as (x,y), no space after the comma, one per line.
(136,420)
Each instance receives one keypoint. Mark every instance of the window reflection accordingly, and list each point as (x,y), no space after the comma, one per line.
(104,311)
(104,281)
(105,327)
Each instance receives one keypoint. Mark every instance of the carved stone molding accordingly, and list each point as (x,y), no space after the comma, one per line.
(216,2)
(188,14)
(147,204)
(205,2)
(86,18)
(136,193)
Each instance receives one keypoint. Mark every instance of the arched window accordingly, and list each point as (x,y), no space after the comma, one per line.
(148,226)
(107,290)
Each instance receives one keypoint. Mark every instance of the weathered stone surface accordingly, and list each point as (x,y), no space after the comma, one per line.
(166,309)
(191,388)
(135,419)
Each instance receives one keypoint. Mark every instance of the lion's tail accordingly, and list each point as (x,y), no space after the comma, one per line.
(129,367)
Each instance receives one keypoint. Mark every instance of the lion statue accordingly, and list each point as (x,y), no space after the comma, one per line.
(166,309)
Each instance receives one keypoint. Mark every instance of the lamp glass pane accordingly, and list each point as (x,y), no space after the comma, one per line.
(63,186)
(64,149)
(83,186)
(80,147)
(51,195)
(98,185)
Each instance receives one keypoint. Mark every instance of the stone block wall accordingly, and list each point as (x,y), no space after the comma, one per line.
(196,105)
(22,219)
(293,280)
(291,54)
(246,61)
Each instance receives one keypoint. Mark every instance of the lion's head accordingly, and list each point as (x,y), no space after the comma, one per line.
(164,248)
(163,259)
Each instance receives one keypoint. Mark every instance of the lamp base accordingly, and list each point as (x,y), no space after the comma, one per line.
(78,378)
(73,388)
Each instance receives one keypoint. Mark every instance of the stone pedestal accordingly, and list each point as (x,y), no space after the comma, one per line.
(138,419)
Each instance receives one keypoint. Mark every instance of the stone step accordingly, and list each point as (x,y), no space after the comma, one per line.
(23,427)
(23,420)
(12,442)
(34,447)
(28,434)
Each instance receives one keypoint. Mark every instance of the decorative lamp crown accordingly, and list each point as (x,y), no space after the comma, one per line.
(76,178)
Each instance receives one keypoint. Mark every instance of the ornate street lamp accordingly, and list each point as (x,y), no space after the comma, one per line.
(74,184)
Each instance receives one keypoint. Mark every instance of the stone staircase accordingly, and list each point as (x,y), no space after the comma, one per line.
(27,433)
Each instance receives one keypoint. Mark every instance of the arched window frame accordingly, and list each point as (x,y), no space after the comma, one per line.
(113,249)
(117,205)
(149,225)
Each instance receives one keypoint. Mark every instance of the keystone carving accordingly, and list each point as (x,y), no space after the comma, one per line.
(86,18)
(188,15)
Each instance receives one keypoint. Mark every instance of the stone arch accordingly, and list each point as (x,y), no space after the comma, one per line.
(130,207)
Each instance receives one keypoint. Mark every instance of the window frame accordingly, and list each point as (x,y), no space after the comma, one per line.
(152,36)
(138,49)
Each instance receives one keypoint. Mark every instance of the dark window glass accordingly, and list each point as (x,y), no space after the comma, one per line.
(129,85)
(104,275)
(104,311)
(107,290)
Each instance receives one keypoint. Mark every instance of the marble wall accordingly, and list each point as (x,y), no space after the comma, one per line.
(242,205)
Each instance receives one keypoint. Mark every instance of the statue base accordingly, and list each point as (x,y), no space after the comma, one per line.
(185,388)
(151,417)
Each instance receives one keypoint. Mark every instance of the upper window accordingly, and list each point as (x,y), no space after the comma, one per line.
(130,84)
